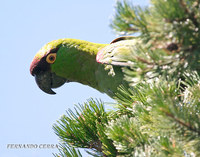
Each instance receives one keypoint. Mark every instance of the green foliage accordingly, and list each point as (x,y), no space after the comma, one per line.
(129,19)
(159,115)
(161,118)
(85,128)
(169,31)
(126,134)
(67,151)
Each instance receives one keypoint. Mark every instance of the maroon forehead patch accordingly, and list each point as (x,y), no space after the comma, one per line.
(39,63)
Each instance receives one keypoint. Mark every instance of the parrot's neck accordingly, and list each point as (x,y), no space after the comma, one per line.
(76,61)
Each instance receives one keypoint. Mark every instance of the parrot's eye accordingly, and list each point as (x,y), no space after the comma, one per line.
(51,58)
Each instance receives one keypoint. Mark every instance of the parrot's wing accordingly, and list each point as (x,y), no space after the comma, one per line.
(118,52)
(122,38)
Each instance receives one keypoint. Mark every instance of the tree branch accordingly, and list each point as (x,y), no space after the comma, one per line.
(191,14)
(181,122)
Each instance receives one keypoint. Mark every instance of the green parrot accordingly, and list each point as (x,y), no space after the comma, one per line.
(72,60)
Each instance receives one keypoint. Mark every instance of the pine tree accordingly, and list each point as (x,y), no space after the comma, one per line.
(159,115)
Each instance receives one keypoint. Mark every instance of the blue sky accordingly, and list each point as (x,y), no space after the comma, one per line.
(26,113)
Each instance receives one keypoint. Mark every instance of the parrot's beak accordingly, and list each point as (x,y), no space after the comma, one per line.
(47,80)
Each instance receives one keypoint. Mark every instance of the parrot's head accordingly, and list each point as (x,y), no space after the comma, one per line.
(41,68)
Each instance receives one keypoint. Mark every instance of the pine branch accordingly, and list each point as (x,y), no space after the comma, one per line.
(181,122)
(84,128)
(191,14)
(67,151)
(126,19)
(160,110)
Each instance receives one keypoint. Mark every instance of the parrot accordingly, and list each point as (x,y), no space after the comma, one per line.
(72,60)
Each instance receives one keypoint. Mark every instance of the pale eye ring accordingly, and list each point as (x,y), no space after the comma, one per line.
(51,58)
